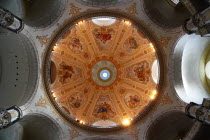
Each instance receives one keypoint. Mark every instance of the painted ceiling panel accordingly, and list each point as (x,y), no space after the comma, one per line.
(80,58)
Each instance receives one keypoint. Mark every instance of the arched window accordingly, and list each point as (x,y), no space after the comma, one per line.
(173,2)
(155,71)
(104,123)
(104,21)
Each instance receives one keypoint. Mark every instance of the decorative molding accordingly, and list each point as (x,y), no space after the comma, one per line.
(74,10)
(42,102)
(73,134)
(43,40)
(164,41)
(132,9)
(166,100)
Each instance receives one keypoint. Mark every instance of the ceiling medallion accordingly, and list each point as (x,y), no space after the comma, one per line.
(104,66)
(102,76)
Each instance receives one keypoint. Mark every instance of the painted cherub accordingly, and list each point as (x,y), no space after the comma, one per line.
(133,43)
(139,72)
(65,72)
(103,34)
(75,45)
(75,102)
(104,111)
(134,101)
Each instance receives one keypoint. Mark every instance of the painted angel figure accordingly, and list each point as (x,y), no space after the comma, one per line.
(65,72)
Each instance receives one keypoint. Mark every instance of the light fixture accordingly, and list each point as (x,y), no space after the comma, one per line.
(126,122)
(127,22)
(152,46)
(55,47)
(152,97)
(81,122)
(54,95)
(80,22)
(154,92)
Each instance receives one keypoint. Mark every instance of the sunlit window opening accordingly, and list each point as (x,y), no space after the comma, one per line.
(104,123)
(155,71)
(175,1)
(103,21)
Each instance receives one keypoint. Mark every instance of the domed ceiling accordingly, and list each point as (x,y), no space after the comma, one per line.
(103,72)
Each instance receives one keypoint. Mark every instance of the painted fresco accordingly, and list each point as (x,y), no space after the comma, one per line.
(76,54)
(76,100)
(103,37)
(68,73)
(131,44)
(139,72)
(132,100)
(75,45)
(103,108)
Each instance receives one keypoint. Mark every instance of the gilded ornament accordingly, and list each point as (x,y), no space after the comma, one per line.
(43,40)
(164,41)
(132,9)
(74,10)
(42,102)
